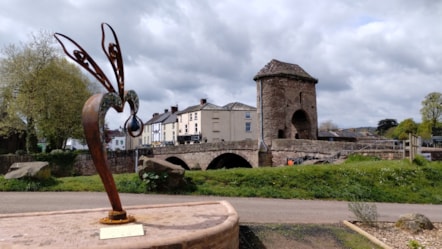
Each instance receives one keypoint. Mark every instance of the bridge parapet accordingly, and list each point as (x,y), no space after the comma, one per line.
(207,147)
(282,149)
(312,146)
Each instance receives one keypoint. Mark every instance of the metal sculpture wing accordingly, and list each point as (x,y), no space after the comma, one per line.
(96,107)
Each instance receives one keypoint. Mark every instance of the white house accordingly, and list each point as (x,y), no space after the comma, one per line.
(207,122)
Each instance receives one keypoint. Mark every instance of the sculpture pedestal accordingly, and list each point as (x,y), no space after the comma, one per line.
(185,225)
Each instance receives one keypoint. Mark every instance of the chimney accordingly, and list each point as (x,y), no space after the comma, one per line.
(155,114)
(166,111)
(203,101)
(174,109)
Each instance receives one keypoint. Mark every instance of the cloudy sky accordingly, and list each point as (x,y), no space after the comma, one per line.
(374,59)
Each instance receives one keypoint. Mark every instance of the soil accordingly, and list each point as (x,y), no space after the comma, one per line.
(299,236)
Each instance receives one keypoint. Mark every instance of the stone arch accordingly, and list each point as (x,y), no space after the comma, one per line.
(178,161)
(228,161)
(302,125)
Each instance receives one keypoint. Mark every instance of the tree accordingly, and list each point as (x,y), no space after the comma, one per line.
(404,128)
(68,90)
(328,126)
(432,108)
(42,90)
(424,129)
(385,124)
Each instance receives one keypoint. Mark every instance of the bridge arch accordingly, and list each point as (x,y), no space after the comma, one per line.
(228,161)
(178,161)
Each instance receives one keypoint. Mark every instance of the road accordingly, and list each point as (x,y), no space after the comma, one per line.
(250,210)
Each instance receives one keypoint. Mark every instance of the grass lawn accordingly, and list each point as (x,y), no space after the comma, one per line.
(358,179)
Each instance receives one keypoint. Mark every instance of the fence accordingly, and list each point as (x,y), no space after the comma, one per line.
(412,146)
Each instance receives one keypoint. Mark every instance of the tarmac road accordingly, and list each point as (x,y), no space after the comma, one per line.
(250,210)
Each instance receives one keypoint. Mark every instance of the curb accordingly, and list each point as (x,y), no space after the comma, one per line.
(367,235)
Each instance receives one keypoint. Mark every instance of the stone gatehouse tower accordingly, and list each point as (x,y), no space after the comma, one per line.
(286,103)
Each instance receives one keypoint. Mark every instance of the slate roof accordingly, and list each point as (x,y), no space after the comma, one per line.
(354,133)
(158,118)
(237,106)
(115,133)
(206,106)
(171,119)
(284,69)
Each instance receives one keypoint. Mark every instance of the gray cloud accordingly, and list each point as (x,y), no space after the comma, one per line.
(373,59)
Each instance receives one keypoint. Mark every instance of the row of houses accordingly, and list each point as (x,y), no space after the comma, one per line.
(201,123)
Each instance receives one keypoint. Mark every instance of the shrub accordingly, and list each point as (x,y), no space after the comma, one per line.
(361,158)
(154,180)
(20,152)
(420,160)
(61,162)
(366,213)
(414,244)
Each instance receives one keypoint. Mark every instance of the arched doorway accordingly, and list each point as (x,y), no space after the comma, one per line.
(228,161)
(302,126)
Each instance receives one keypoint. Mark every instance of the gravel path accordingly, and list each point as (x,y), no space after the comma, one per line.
(399,239)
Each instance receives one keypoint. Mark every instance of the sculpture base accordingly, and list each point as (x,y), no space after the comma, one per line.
(184,225)
(117,217)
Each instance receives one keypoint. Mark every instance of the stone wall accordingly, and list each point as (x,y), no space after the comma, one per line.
(7,160)
(197,154)
(119,162)
(282,149)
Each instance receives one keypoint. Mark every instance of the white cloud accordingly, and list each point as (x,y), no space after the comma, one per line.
(373,59)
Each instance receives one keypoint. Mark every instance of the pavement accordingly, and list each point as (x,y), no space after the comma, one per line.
(250,210)
(193,225)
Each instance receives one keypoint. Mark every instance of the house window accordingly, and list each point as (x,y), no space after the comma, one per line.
(247,115)
(185,129)
(190,116)
(196,115)
(196,128)
(215,127)
(248,126)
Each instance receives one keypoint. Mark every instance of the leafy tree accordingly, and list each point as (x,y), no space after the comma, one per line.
(432,108)
(67,88)
(328,126)
(404,128)
(385,124)
(42,91)
(424,129)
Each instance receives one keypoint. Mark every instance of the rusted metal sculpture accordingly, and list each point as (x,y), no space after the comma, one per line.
(95,109)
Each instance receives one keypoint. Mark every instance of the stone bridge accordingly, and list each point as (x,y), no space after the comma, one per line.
(211,155)
(246,153)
